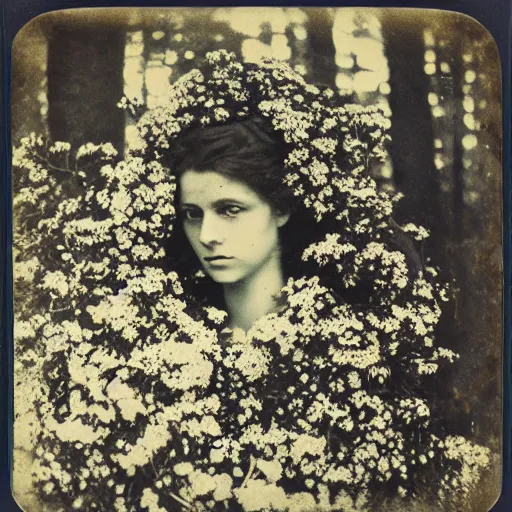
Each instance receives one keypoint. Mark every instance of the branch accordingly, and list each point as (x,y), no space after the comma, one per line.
(180,500)
(154,468)
(252,465)
(55,168)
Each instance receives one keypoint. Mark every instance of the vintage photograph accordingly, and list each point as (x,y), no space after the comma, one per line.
(257,261)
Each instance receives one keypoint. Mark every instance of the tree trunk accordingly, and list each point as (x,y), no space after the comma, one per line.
(412,148)
(323,53)
(85,82)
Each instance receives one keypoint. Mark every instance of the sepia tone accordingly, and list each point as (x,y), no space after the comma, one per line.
(435,74)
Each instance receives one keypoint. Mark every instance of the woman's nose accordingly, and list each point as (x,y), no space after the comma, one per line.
(210,231)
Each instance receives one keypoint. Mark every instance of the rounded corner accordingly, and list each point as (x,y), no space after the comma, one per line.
(20,33)
(25,500)
(33,23)
(480,26)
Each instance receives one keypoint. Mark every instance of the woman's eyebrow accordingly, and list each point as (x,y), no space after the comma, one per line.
(227,200)
(216,204)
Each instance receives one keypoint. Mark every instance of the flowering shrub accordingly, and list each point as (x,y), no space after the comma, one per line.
(148,401)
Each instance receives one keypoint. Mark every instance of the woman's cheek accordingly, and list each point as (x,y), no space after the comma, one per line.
(192,234)
(253,231)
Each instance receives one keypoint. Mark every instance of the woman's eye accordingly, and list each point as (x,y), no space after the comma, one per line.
(231,211)
(192,214)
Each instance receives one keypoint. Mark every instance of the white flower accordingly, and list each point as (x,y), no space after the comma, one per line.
(324,144)
(150,501)
(221,114)
(327,250)
(354,380)
(56,281)
(75,430)
(155,437)
(251,361)
(89,149)
(272,470)
(126,399)
(307,444)
(216,315)
(60,147)
(317,173)
(419,232)
(258,495)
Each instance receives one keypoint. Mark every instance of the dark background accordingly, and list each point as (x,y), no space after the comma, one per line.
(79,63)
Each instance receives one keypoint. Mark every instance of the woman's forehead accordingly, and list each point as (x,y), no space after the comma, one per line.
(205,187)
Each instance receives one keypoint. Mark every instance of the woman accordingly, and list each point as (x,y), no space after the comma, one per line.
(311,393)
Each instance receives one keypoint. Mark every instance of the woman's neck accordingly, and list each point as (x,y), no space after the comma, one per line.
(255,296)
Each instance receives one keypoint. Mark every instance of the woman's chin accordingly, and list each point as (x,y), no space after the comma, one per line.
(224,276)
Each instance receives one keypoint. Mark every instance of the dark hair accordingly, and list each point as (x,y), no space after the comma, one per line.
(250,151)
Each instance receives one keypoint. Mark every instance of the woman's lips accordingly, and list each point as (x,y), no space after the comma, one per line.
(211,258)
(217,259)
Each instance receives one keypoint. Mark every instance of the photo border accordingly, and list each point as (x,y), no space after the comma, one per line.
(494,15)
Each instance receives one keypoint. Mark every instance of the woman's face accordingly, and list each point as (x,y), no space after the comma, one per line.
(233,231)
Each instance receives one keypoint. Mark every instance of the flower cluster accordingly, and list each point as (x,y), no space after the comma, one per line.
(330,145)
(147,401)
